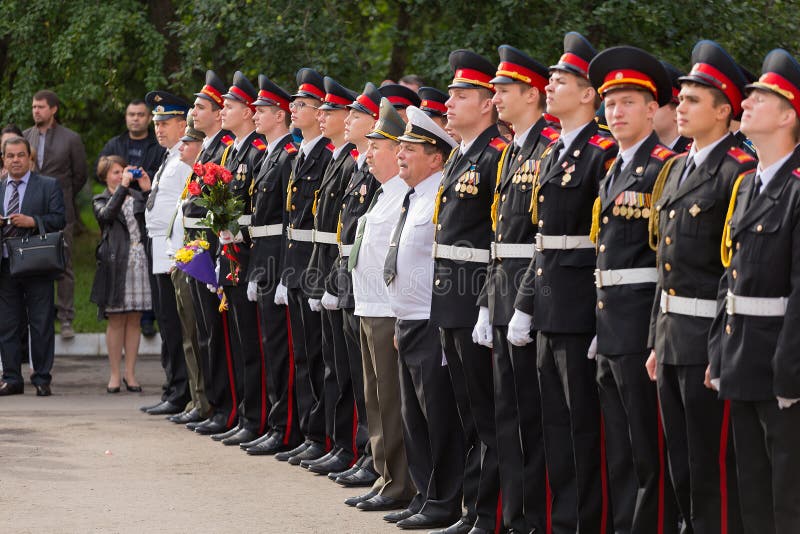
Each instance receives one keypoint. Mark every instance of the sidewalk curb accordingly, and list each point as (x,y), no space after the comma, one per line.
(94,345)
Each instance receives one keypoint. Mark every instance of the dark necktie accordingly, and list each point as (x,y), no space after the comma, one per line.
(690,167)
(9,230)
(352,260)
(615,174)
(151,199)
(756,187)
(390,265)
(558,149)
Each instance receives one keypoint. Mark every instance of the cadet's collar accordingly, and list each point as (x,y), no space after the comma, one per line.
(701,155)
(628,154)
(567,138)
(308,145)
(768,173)
(521,137)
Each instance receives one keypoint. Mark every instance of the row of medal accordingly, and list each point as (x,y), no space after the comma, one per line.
(632,204)
(468,182)
(241,172)
(525,173)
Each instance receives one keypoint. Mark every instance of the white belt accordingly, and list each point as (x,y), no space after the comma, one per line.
(244,220)
(193,223)
(755,306)
(688,306)
(269,230)
(450,252)
(295,234)
(562,242)
(621,277)
(511,250)
(345,250)
(326,238)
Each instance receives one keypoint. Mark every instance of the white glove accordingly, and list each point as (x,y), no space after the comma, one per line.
(592,352)
(715,386)
(211,288)
(329,302)
(281,295)
(226,237)
(519,329)
(315,305)
(216,270)
(482,333)
(786,403)
(252,291)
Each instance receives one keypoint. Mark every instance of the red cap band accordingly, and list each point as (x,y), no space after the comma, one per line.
(474,77)
(312,89)
(395,100)
(331,98)
(434,106)
(282,103)
(520,73)
(717,79)
(627,77)
(213,94)
(576,61)
(776,83)
(244,96)
(365,101)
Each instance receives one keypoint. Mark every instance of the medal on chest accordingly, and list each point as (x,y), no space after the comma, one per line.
(468,182)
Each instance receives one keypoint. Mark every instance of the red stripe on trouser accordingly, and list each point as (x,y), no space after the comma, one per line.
(327,443)
(723,469)
(603,477)
(229,361)
(549,503)
(498,522)
(290,390)
(661,469)
(263,423)
(355,433)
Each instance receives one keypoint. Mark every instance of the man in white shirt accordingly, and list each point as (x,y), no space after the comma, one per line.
(169,117)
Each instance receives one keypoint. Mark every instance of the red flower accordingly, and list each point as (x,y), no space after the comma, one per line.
(194,189)
(198,169)
(210,179)
(225,176)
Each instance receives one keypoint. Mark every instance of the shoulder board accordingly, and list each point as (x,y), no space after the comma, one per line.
(552,119)
(227,140)
(354,153)
(259,144)
(550,133)
(661,153)
(290,148)
(498,143)
(330,147)
(796,173)
(740,155)
(604,143)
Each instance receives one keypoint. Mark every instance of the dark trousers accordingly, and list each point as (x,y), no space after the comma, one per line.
(251,378)
(176,387)
(432,433)
(572,440)
(34,297)
(352,339)
(214,348)
(470,368)
(701,460)
(339,402)
(641,493)
(308,366)
(767,442)
(279,361)
(518,417)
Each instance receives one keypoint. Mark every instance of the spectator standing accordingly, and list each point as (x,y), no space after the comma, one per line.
(60,154)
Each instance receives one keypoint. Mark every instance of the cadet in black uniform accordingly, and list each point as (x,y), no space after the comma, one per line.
(519,99)
(400,96)
(754,345)
(557,297)
(691,198)
(268,197)
(634,85)
(432,103)
(309,165)
(461,253)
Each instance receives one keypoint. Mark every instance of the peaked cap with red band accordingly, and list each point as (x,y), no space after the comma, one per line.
(517,66)
(337,96)
(471,70)
(213,89)
(310,84)
(432,101)
(369,101)
(578,53)
(781,75)
(712,66)
(625,66)
(399,95)
(242,90)
(674,76)
(271,94)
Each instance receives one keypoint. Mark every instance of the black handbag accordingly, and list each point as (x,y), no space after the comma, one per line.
(36,255)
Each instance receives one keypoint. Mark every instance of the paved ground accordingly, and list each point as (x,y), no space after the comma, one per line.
(85,461)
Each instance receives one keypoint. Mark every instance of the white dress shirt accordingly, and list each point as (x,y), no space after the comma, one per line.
(307,146)
(567,138)
(767,174)
(411,290)
(369,289)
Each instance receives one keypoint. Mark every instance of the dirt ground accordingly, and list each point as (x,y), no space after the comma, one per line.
(86,461)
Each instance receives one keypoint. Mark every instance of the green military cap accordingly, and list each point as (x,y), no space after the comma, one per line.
(390,124)
(191,134)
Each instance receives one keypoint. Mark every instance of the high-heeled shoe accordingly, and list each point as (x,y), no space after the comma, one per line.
(132,389)
(112,390)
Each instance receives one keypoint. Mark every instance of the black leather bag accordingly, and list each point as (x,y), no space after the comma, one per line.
(36,255)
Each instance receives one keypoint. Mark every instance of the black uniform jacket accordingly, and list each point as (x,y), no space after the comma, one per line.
(268,198)
(513,223)
(623,311)
(465,220)
(691,217)
(758,358)
(562,298)
(304,182)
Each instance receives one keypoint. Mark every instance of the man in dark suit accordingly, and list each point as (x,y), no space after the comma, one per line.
(28,199)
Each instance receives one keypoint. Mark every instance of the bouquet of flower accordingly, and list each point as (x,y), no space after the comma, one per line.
(193,259)
(210,186)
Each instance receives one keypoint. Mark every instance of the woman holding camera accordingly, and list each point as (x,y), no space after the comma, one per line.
(121,286)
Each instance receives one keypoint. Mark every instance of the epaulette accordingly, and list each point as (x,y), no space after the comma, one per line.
(259,144)
(552,119)
(796,173)
(227,140)
(354,153)
(290,148)
(550,133)
(330,147)
(740,155)
(661,153)
(498,143)
(604,143)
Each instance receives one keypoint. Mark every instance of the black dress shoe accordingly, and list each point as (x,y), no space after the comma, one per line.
(333,475)
(360,478)
(244,434)
(421,521)
(324,458)
(315,450)
(253,442)
(194,424)
(394,517)
(219,436)
(284,456)
(379,502)
(132,389)
(215,425)
(193,415)
(43,390)
(7,388)
(352,501)
(462,526)
(165,408)
(336,463)
(272,445)
(149,406)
